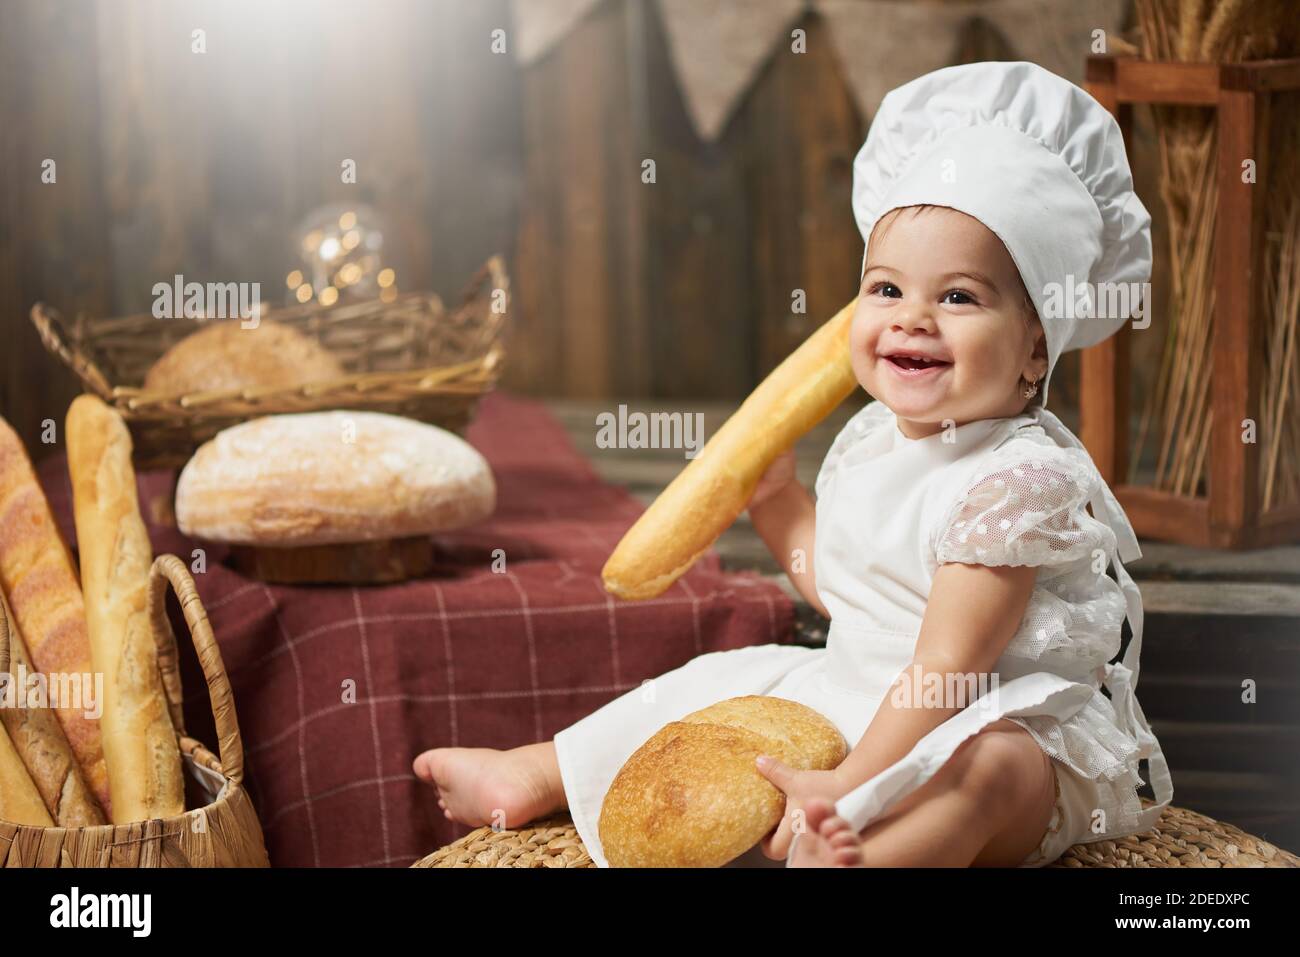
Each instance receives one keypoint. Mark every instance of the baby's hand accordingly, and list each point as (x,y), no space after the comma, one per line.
(778,475)
(799,787)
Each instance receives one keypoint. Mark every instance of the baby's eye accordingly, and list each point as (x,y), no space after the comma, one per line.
(963,298)
(887,289)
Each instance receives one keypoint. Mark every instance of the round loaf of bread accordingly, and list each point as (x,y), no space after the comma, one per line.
(692,796)
(322,478)
(224,355)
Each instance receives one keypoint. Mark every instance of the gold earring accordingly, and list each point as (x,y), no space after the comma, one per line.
(1030,390)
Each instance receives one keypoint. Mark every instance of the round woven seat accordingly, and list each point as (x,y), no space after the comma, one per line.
(1181,838)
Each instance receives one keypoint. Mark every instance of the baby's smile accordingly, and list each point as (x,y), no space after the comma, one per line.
(915,365)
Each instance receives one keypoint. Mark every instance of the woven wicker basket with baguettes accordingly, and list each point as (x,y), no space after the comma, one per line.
(219,827)
(410,357)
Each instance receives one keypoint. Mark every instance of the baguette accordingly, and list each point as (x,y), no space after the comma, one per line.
(144,762)
(37,574)
(41,744)
(20,802)
(708,495)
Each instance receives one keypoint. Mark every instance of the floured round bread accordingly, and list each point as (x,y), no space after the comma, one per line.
(322,478)
(225,355)
(692,796)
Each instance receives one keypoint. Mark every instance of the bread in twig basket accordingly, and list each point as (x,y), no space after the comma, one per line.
(692,796)
(227,355)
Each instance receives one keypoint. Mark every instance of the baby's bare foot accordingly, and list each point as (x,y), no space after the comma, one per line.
(479,786)
(828,840)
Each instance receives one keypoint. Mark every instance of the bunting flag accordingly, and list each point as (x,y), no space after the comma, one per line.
(718,47)
(883,44)
(540,24)
(1058,36)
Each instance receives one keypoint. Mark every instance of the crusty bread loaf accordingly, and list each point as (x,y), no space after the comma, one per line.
(708,495)
(323,478)
(37,574)
(225,355)
(692,796)
(144,761)
(41,744)
(20,802)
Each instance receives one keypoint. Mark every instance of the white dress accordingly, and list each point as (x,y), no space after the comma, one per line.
(890,510)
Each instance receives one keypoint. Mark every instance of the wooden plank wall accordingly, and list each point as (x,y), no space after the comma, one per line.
(680,288)
(53,238)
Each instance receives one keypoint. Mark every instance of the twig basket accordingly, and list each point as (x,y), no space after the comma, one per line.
(408,357)
(224,830)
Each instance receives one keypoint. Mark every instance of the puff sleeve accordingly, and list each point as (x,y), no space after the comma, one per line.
(1027,504)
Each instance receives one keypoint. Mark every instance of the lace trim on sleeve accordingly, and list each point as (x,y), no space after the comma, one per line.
(1026,506)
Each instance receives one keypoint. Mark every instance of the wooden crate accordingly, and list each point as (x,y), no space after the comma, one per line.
(1230,515)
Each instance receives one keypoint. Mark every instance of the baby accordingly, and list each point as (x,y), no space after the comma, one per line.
(951,544)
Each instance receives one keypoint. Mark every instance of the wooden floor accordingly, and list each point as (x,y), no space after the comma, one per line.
(1215,621)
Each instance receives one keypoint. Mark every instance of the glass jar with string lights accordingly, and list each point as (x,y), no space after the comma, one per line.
(340,256)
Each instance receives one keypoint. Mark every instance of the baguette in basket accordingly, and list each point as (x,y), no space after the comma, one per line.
(144,763)
(41,744)
(221,831)
(20,802)
(38,576)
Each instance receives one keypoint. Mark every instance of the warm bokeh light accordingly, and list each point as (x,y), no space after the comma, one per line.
(388,295)
(385,278)
(304,292)
(349,274)
(347,220)
(294,279)
(311,241)
(350,239)
(328,296)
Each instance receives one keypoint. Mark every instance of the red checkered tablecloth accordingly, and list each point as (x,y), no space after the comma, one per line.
(338,688)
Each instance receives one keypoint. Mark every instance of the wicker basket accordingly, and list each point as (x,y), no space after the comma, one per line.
(407,357)
(224,830)
(1181,838)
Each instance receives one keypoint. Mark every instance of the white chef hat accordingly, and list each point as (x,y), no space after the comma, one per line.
(1036,160)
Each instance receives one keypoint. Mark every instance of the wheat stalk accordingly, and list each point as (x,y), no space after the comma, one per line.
(1179,408)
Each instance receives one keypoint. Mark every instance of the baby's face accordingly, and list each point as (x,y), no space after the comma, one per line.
(939,284)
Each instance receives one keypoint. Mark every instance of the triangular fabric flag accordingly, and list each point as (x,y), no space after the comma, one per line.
(717,48)
(540,24)
(1056,35)
(884,44)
